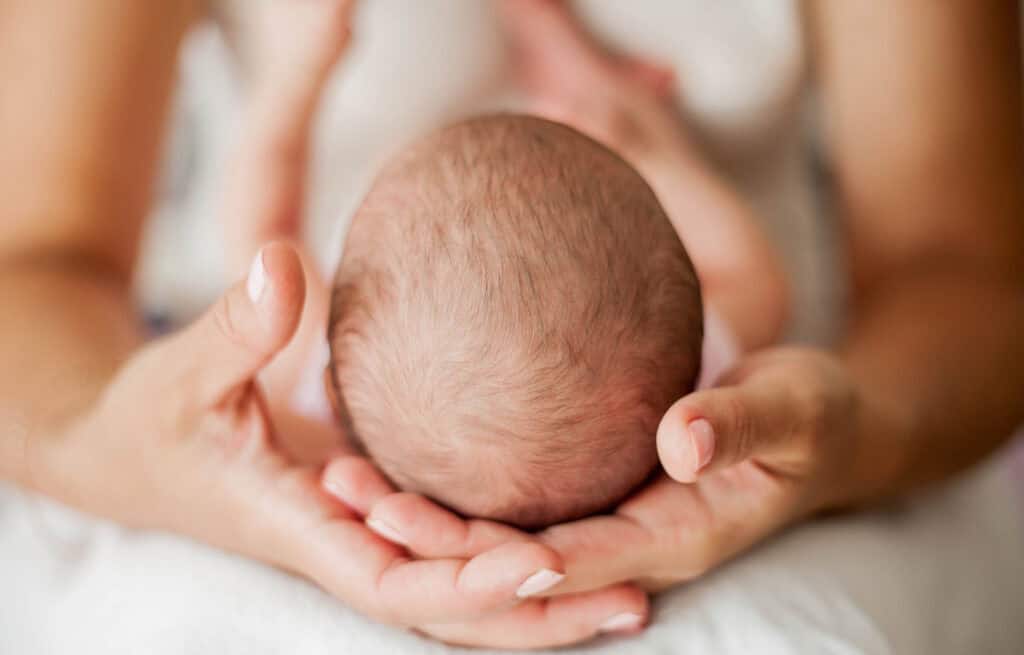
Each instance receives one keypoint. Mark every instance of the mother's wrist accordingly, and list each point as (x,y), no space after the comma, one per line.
(40,460)
(15,461)
(23,458)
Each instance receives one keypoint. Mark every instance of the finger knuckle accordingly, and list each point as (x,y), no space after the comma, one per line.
(740,424)
(692,557)
(387,615)
(815,403)
(227,319)
(386,612)
(391,616)
(694,553)
(815,416)
(703,554)
(630,598)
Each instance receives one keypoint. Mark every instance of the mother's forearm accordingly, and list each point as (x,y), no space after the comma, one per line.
(938,356)
(87,89)
(67,326)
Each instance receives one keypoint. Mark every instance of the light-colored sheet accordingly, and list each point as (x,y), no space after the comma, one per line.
(938,576)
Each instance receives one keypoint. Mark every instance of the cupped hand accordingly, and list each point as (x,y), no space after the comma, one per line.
(766,448)
(769,446)
(181,441)
(425,530)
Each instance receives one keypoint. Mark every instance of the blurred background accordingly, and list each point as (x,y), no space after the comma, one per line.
(743,75)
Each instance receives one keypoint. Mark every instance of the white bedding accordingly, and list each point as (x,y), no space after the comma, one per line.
(942,575)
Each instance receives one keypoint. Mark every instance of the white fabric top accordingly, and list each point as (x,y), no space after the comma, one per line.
(415,66)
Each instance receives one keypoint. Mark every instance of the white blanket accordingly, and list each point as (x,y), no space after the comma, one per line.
(943,575)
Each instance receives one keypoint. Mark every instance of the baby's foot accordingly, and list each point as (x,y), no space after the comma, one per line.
(625,102)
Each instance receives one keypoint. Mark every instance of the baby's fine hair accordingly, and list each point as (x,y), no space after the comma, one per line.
(513,314)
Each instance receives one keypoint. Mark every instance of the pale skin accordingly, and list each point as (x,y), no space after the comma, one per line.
(174,435)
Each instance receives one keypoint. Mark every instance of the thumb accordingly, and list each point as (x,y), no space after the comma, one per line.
(716,428)
(241,333)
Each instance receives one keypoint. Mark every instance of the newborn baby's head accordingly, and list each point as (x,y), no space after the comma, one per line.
(512,316)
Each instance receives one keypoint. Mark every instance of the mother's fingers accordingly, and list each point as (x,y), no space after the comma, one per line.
(716,428)
(356,482)
(782,408)
(410,520)
(472,566)
(374,575)
(553,622)
(671,532)
(428,530)
(601,551)
(243,331)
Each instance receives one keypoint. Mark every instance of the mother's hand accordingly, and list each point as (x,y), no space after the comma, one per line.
(764,449)
(767,447)
(181,441)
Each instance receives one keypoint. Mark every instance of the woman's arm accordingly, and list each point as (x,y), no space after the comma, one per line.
(923,102)
(86,93)
(174,435)
(87,89)
(923,114)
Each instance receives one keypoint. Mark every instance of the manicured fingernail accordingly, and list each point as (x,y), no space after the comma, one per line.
(386,531)
(257,280)
(702,441)
(336,489)
(624,622)
(538,583)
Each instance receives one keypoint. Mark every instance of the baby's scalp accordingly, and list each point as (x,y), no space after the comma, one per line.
(512,315)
